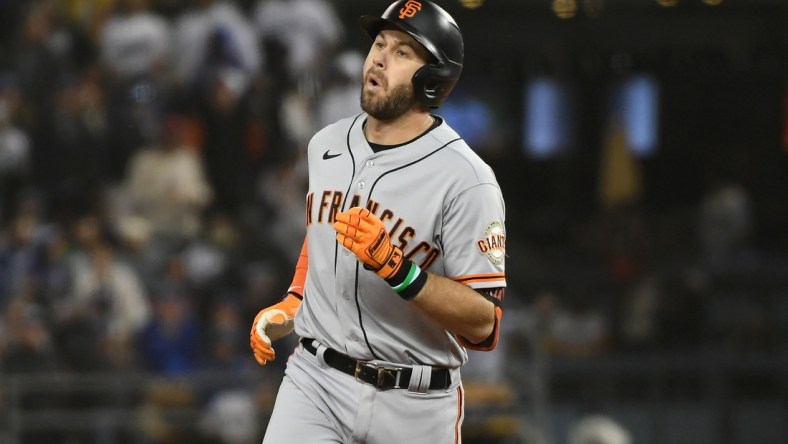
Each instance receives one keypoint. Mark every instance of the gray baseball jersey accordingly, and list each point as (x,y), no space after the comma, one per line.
(442,206)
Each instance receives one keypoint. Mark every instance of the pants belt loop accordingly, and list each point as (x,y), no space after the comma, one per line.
(320,353)
(420,379)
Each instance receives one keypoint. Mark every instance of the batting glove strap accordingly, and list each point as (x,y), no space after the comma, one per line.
(408,280)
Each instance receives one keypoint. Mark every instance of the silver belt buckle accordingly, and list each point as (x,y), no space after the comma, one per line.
(384,372)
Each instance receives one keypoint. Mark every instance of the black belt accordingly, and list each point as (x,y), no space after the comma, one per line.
(380,375)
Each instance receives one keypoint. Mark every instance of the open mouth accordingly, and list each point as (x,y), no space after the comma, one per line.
(374,82)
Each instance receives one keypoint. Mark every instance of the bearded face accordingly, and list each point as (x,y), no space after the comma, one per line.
(383,102)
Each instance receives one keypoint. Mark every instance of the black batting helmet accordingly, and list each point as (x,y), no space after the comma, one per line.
(437,31)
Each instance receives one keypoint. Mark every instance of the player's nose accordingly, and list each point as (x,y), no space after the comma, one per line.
(379,59)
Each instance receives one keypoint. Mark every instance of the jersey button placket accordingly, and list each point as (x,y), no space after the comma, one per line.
(361,185)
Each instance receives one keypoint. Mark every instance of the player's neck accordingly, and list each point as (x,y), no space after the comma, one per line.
(397,131)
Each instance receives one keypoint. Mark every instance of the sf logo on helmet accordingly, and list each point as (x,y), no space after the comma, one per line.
(410,9)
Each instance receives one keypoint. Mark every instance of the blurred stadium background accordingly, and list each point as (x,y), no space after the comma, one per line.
(151,198)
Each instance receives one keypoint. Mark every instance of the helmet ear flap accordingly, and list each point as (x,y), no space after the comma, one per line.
(431,84)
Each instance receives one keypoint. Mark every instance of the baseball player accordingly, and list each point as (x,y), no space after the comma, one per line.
(403,265)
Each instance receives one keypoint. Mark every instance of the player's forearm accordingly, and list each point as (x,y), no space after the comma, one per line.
(457,308)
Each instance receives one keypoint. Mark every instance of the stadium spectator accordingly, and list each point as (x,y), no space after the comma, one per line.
(77,141)
(213,33)
(106,305)
(339,97)
(135,41)
(166,185)
(309,30)
(170,344)
(14,153)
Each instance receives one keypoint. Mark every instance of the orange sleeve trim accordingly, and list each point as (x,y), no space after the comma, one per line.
(491,342)
(475,278)
(299,276)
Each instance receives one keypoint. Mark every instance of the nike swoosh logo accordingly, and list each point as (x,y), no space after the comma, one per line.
(327,155)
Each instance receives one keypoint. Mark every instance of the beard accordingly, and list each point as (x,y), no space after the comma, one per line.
(399,101)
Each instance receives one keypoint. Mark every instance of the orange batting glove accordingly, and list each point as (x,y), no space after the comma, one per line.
(276,321)
(271,324)
(363,233)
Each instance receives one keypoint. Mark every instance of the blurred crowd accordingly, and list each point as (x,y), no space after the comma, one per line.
(152,180)
(152,176)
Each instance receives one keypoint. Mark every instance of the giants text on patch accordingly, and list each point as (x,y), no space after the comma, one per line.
(494,243)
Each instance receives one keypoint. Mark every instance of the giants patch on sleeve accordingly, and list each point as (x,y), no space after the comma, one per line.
(493,244)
